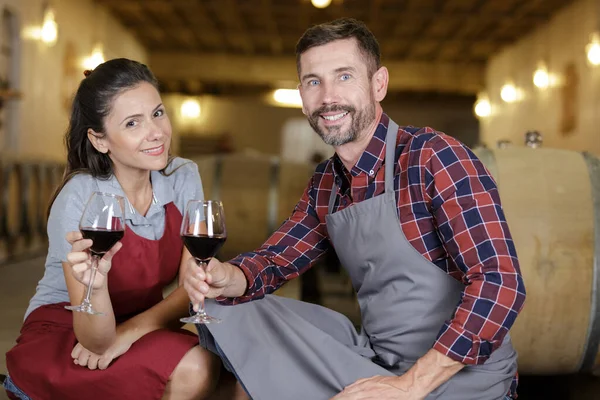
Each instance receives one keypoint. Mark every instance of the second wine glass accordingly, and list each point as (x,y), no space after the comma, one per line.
(103,222)
(203,233)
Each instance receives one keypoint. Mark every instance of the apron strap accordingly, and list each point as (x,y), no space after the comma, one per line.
(390,150)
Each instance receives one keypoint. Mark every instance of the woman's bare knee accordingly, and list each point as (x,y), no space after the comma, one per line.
(195,377)
(229,388)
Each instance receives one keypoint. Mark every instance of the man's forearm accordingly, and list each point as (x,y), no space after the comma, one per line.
(429,372)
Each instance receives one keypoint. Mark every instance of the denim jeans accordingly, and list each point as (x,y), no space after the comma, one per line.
(12,388)
(208,342)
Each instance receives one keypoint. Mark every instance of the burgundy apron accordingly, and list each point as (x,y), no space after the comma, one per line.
(41,364)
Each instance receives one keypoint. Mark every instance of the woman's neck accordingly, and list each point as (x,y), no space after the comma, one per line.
(137,187)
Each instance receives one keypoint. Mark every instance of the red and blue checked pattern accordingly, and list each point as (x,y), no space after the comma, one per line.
(450,212)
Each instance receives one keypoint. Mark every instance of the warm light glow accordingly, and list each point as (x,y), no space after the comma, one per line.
(509,93)
(32,32)
(541,78)
(190,109)
(593,49)
(95,59)
(49,31)
(483,108)
(321,3)
(288,97)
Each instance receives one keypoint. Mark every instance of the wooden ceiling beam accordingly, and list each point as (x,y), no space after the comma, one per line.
(289,38)
(463,48)
(221,68)
(194,14)
(374,12)
(235,23)
(275,42)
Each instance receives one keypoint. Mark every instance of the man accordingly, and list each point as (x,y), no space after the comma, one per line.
(415,219)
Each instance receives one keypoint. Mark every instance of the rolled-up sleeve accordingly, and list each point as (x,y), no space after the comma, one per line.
(290,251)
(471,223)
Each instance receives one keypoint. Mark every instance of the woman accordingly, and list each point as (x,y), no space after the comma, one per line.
(117,142)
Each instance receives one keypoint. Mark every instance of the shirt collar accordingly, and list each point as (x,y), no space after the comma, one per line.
(372,158)
(162,190)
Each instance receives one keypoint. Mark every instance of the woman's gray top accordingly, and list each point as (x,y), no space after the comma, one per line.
(180,187)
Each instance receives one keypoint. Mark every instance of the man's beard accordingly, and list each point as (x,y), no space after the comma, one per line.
(333,135)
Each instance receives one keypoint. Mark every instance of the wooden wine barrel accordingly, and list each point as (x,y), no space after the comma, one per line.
(31,195)
(258,193)
(12,205)
(551,199)
(50,176)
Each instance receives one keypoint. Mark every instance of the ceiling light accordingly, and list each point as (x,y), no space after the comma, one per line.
(190,109)
(321,3)
(288,97)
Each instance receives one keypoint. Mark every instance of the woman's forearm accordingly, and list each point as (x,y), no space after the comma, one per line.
(163,315)
(96,332)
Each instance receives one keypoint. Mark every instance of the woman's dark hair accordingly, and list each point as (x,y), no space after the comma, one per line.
(91,105)
(343,28)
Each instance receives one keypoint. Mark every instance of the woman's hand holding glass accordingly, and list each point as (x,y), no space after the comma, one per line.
(80,259)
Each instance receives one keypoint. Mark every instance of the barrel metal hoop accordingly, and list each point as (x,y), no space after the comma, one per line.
(593,336)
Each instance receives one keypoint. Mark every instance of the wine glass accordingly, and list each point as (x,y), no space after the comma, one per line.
(203,233)
(103,222)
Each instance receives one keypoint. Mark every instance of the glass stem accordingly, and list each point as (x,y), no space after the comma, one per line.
(201,311)
(88,293)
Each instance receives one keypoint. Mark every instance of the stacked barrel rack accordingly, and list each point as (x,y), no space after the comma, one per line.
(25,190)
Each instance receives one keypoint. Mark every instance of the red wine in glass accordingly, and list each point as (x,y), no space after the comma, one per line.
(103,239)
(203,233)
(103,221)
(203,247)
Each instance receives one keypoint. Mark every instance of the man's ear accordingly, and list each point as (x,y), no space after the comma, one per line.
(303,108)
(97,141)
(380,83)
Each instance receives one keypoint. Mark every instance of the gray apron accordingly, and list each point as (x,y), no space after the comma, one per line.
(284,349)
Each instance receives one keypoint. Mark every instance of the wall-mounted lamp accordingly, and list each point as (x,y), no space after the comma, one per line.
(190,109)
(288,97)
(49,31)
(482,107)
(509,93)
(94,59)
(593,49)
(321,3)
(541,77)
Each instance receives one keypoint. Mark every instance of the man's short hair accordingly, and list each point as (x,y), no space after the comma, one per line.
(343,28)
